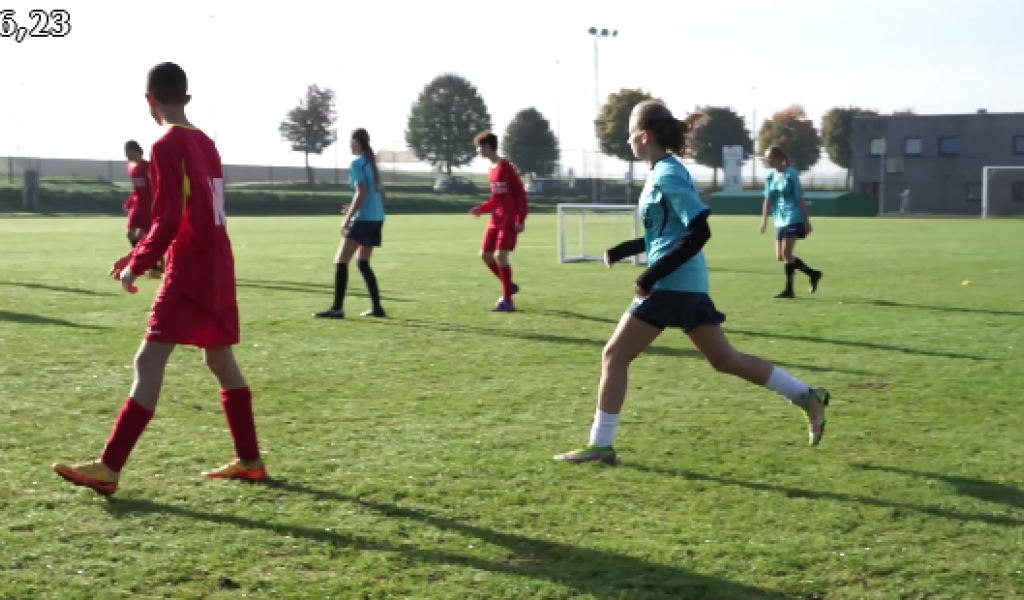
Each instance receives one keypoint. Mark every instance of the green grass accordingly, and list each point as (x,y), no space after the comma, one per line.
(412,456)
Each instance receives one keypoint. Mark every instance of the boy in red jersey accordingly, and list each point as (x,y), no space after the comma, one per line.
(196,303)
(139,206)
(508,208)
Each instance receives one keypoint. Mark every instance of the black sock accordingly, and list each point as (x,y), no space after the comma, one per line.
(340,284)
(371,283)
(802,266)
(790,270)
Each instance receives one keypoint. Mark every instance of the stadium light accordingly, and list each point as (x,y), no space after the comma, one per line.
(598,33)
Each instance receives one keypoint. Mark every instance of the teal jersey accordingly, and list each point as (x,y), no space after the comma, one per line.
(783,190)
(361,171)
(668,203)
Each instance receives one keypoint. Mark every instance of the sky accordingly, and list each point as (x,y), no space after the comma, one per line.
(82,96)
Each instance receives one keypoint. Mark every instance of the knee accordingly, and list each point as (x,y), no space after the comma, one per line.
(613,358)
(487,257)
(148,361)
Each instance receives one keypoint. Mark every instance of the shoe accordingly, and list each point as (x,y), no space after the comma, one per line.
(96,475)
(817,401)
(236,469)
(330,313)
(515,289)
(503,306)
(786,294)
(815,278)
(373,312)
(589,454)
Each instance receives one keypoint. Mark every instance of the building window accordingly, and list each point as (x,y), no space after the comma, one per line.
(974,192)
(949,146)
(877,147)
(1017,191)
(912,147)
(1018,144)
(894,164)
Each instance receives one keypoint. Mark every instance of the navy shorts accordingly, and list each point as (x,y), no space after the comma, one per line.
(796,230)
(685,310)
(365,233)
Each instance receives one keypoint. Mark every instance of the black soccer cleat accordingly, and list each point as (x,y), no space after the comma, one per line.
(815,278)
(330,313)
(786,294)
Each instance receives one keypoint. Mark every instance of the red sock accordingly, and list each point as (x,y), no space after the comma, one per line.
(493,266)
(129,427)
(506,283)
(237,405)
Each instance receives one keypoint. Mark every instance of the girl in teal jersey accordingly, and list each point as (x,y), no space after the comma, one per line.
(784,200)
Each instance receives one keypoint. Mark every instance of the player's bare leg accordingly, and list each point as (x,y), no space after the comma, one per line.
(711,342)
(631,337)
(102,475)
(370,278)
(236,400)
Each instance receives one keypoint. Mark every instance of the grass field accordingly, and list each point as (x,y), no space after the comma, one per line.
(412,457)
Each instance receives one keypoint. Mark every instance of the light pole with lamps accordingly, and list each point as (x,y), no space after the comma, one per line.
(753,134)
(598,33)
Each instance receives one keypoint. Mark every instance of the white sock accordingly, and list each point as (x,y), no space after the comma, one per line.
(602,434)
(785,384)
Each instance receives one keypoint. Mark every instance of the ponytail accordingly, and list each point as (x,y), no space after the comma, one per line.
(778,152)
(363,139)
(669,132)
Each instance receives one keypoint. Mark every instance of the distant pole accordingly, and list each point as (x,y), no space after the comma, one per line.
(753,131)
(598,33)
(881,182)
(558,109)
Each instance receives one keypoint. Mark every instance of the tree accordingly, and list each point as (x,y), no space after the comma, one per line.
(791,130)
(904,112)
(445,118)
(723,127)
(530,144)
(837,135)
(308,126)
(612,126)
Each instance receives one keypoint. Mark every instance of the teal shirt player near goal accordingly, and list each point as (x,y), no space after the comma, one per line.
(360,171)
(667,204)
(784,191)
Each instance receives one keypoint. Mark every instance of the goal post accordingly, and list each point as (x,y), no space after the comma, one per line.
(986,173)
(598,227)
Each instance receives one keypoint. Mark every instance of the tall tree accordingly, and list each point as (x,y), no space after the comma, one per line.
(837,135)
(612,126)
(530,144)
(791,130)
(308,126)
(904,112)
(723,127)
(445,118)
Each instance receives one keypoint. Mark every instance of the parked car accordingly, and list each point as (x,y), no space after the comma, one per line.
(544,188)
(455,185)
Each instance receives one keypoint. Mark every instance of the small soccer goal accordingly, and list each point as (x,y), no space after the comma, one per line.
(1012,189)
(585,231)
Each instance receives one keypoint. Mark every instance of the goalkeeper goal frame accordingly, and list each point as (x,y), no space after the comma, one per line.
(985,172)
(582,256)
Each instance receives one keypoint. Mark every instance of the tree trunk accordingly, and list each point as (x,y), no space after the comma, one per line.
(309,172)
(847,179)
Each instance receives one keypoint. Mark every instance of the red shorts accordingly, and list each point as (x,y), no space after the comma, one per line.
(499,239)
(180,321)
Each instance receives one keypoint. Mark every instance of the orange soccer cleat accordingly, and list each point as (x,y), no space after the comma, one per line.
(237,469)
(96,475)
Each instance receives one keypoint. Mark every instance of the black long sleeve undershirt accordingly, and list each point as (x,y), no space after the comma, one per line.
(625,250)
(697,235)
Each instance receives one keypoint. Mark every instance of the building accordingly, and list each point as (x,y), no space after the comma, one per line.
(933,163)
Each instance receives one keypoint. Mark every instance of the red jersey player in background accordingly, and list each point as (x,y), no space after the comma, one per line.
(196,304)
(508,210)
(139,206)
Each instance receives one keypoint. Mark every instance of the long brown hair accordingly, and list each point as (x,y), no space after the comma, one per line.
(778,152)
(363,139)
(669,132)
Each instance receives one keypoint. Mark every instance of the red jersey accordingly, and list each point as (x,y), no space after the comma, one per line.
(140,204)
(508,197)
(189,223)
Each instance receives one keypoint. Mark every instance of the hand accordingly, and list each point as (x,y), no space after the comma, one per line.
(640,292)
(120,265)
(476,211)
(763,227)
(345,226)
(128,281)
(345,209)
(520,227)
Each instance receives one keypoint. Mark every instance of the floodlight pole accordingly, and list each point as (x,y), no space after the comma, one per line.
(598,33)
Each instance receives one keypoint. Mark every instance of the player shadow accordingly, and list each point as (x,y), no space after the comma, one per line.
(568,314)
(852,344)
(55,288)
(989,491)
(948,309)
(558,339)
(310,288)
(599,573)
(898,508)
(30,319)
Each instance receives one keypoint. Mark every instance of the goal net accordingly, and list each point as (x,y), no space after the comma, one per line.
(585,231)
(1002,191)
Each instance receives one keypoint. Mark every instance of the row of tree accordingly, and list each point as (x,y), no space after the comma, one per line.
(450,111)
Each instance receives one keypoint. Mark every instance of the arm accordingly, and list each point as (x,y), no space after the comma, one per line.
(697,235)
(484,208)
(624,250)
(766,207)
(168,202)
(798,191)
(357,203)
(519,201)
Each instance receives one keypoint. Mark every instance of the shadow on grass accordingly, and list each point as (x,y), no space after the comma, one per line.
(599,573)
(948,309)
(310,288)
(29,319)
(55,288)
(782,336)
(898,508)
(989,491)
(558,339)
